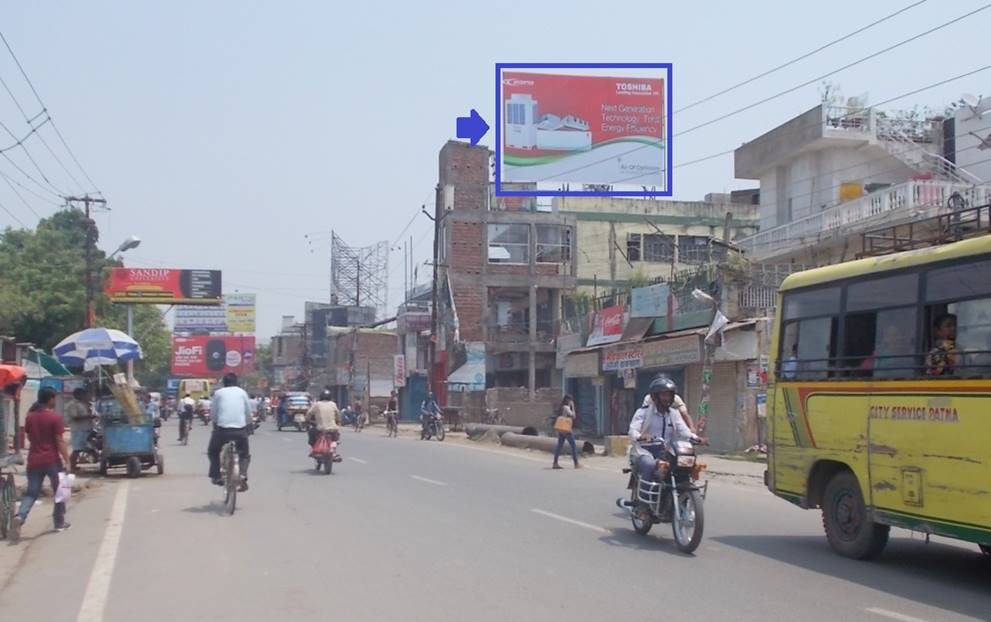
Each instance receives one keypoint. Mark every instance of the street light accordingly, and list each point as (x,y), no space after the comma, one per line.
(131,242)
(128,244)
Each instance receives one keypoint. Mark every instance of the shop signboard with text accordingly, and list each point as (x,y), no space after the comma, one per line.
(615,359)
(240,312)
(676,352)
(587,129)
(164,286)
(212,356)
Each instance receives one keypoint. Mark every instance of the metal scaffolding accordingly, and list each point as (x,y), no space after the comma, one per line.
(359,276)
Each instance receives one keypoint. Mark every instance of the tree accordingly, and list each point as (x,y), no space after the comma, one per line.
(43,292)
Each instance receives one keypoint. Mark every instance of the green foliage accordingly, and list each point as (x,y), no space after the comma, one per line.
(43,292)
(639,278)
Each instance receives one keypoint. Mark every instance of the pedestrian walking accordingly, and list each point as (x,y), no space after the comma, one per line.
(564,426)
(46,457)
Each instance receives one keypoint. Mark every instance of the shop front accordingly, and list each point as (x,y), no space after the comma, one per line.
(582,381)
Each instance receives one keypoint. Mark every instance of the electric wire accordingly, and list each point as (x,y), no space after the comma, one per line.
(800,58)
(48,115)
(12,215)
(834,72)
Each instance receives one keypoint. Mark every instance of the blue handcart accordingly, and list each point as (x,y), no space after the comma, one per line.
(127,444)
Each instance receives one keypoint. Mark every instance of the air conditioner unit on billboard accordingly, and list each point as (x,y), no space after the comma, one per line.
(521,121)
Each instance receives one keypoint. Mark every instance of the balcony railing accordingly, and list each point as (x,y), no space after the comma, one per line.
(913,199)
(519,332)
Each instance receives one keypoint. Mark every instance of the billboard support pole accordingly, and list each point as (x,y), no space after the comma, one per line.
(130,333)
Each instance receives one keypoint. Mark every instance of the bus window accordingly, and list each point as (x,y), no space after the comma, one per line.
(892,291)
(880,344)
(822,301)
(970,343)
(816,347)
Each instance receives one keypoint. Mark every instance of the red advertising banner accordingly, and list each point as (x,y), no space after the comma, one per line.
(552,124)
(212,356)
(607,326)
(164,286)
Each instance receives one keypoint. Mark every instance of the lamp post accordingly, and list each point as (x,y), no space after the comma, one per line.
(708,356)
(131,242)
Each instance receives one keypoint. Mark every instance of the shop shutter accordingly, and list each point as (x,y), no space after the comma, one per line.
(722,428)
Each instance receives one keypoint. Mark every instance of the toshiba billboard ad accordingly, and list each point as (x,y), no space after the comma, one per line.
(587,129)
(164,286)
(207,356)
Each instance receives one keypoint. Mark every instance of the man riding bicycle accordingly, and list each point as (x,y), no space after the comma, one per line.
(187,406)
(230,411)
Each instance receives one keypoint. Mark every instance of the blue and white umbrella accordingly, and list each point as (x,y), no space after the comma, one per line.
(97,346)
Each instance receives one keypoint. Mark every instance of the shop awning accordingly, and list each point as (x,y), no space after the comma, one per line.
(48,363)
(468,377)
(636,328)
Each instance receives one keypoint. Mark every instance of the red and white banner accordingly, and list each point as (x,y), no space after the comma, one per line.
(398,370)
(212,356)
(585,129)
(607,326)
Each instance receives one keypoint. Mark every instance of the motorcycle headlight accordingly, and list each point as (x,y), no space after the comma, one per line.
(686,461)
(684,447)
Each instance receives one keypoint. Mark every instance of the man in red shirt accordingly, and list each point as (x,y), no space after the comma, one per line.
(46,457)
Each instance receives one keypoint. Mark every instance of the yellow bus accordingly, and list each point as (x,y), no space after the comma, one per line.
(880,396)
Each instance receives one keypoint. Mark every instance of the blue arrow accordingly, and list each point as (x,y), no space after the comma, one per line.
(472,127)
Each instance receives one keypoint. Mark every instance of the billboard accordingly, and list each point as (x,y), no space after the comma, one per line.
(164,286)
(212,356)
(607,326)
(584,129)
(235,315)
(200,319)
(240,312)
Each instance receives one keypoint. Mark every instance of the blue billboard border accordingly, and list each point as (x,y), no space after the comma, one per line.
(669,107)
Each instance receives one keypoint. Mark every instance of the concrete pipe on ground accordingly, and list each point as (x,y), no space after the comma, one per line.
(474,430)
(544,443)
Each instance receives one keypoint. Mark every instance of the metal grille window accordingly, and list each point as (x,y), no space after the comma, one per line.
(509,243)
(657,247)
(633,246)
(693,248)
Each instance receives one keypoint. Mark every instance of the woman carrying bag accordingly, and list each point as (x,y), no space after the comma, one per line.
(563,425)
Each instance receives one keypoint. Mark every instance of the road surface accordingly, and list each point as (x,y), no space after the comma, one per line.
(415,530)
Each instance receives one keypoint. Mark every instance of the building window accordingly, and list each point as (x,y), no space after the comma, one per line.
(657,247)
(509,243)
(693,248)
(633,247)
(553,244)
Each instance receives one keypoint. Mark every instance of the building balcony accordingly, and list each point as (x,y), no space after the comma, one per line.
(904,202)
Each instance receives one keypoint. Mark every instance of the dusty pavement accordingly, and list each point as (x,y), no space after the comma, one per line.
(452,531)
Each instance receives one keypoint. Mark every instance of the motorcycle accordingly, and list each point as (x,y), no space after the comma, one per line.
(433,427)
(324,451)
(675,497)
(86,452)
(299,420)
(204,416)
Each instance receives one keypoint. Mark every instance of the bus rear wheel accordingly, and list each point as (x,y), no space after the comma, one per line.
(849,529)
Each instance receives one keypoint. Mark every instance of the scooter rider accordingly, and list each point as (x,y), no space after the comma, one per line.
(658,420)
(428,408)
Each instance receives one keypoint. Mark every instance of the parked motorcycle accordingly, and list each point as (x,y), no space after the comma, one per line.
(87,451)
(433,427)
(672,497)
(324,451)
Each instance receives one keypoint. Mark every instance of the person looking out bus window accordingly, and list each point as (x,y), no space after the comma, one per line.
(942,358)
(789,368)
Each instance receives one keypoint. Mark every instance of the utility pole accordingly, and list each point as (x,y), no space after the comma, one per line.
(709,343)
(86,200)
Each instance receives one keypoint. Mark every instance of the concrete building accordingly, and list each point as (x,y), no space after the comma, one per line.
(620,240)
(832,173)
(359,365)
(500,274)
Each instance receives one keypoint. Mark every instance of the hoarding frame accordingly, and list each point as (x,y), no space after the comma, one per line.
(669,107)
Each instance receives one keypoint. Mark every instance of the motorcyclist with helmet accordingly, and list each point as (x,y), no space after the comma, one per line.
(657,420)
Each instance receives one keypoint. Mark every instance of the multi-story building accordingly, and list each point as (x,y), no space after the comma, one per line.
(832,173)
(501,268)
(621,240)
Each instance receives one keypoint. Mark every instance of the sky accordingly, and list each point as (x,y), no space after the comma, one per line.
(222,133)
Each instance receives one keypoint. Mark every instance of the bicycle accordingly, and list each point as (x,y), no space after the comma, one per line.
(492,417)
(230,472)
(184,425)
(391,423)
(359,421)
(8,502)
